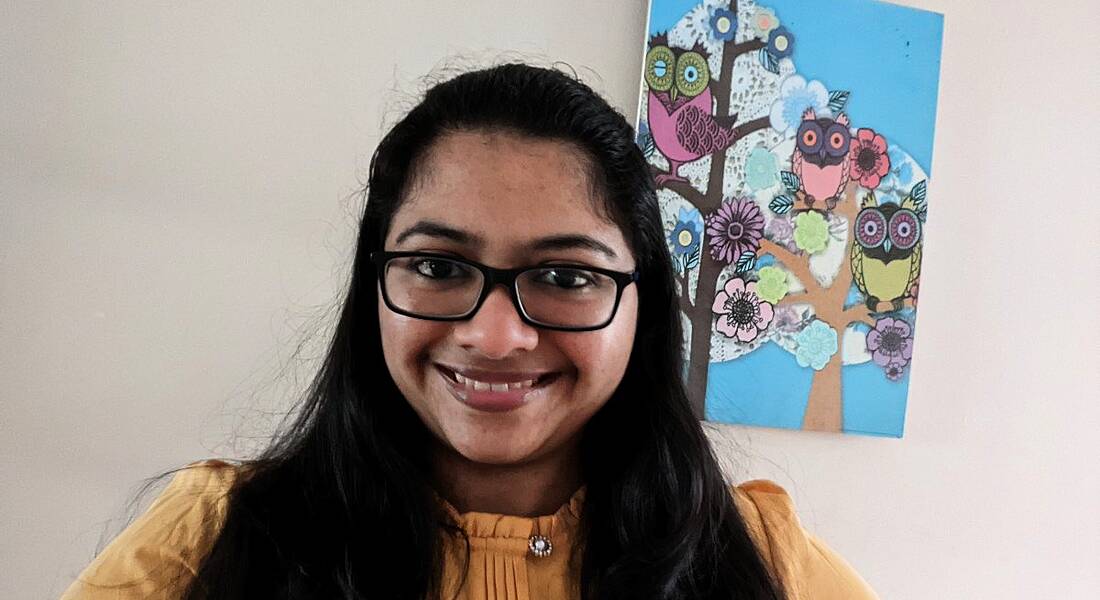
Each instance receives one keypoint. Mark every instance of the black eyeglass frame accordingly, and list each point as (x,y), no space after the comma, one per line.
(491,277)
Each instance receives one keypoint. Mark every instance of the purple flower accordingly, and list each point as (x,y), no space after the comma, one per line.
(891,343)
(895,370)
(735,228)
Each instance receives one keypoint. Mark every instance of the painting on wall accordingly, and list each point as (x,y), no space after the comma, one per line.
(791,145)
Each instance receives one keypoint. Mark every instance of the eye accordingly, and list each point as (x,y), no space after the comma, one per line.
(571,279)
(836,140)
(692,74)
(904,229)
(809,137)
(437,268)
(870,228)
(659,62)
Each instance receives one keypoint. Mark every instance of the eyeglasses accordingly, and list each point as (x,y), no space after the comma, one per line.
(437,287)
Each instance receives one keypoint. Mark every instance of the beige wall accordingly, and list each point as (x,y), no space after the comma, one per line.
(174,220)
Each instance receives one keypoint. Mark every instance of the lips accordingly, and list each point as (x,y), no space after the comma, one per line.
(495,391)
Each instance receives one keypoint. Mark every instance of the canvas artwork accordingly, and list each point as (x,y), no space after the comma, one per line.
(791,144)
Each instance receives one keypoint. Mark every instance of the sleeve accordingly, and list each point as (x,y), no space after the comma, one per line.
(805,565)
(156,556)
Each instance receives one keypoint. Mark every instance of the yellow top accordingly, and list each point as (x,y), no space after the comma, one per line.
(157,554)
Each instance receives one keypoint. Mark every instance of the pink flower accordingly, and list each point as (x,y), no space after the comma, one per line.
(913,289)
(735,228)
(890,342)
(741,312)
(870,163)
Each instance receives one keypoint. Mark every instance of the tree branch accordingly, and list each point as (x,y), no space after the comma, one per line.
(750,126)
(684,189)
(795,263)
(744,47)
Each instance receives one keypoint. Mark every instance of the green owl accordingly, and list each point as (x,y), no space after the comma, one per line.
(887,249)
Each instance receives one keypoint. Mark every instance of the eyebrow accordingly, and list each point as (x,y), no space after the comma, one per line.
(554,242)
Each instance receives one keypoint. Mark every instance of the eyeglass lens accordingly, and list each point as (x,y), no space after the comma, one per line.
(557,296)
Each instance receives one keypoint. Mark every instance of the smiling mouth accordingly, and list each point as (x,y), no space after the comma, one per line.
(497,386)
(496,396)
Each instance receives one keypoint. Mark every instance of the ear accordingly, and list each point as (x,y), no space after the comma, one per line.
(842,119)
(869,200)
(809,115)
(909,203)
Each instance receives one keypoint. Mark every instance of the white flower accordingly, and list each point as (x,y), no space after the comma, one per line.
(795,96)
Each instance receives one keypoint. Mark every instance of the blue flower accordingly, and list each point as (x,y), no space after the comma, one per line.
(780,42)
(723,25)
(761,169)
(687,234)
(817,344)
(795,96)
(901,169)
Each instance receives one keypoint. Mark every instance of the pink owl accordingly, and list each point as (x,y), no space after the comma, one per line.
(680,107)
(821,157)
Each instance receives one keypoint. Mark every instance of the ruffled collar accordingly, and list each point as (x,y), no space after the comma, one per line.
(562,523)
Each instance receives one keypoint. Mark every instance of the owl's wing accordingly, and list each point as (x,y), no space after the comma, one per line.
(914,266)
(857,267)
(845,168)
(796,163)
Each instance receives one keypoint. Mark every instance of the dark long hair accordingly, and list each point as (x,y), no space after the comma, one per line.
(340,503)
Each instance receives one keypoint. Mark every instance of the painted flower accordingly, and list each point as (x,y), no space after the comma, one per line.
(787,318)
(761,169)
(763,22)
(891,341)
(735,228)
(723,25)
(817,343)
(687,233)
(811,232)
(781,231)
(895,370)
(780,43)
(795,96)
(901,169)
(772,285)
(741,312)
(870,162)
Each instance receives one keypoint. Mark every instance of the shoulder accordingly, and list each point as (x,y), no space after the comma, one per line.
(157,554)
(807,566)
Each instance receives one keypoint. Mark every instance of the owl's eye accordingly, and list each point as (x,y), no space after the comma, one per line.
(809,137)
(904,229)
(692,74)
(870,228)
(836,140)
(659,63)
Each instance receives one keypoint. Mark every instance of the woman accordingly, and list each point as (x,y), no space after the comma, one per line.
(501,413)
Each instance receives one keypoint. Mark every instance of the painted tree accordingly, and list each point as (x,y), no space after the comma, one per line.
(769,171)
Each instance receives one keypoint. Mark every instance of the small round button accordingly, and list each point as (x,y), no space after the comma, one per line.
(540,545)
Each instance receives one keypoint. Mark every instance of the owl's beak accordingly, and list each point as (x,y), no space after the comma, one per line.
(886,245)
(672,94)
(821,153)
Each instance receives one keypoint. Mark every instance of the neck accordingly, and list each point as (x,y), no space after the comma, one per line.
(536,488)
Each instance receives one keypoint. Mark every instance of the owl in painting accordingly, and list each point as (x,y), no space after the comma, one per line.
(886,253)
(821,157)
(680,109)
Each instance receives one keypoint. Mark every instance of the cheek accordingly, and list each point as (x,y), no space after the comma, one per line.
(601,356)
(405,343)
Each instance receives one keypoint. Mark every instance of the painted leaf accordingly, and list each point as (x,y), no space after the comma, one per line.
(781,205)
(769,61)
(692,260)
(838,99)
(919,195)
(745,262)
(920,191)
(790,181)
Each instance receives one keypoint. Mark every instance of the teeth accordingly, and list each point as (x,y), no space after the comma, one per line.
(496,387)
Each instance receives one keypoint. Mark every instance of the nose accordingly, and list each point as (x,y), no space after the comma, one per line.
(496,329)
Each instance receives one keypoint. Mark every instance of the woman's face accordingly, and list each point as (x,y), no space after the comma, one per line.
(506,201)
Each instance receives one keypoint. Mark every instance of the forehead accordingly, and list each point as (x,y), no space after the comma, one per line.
(508,189)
